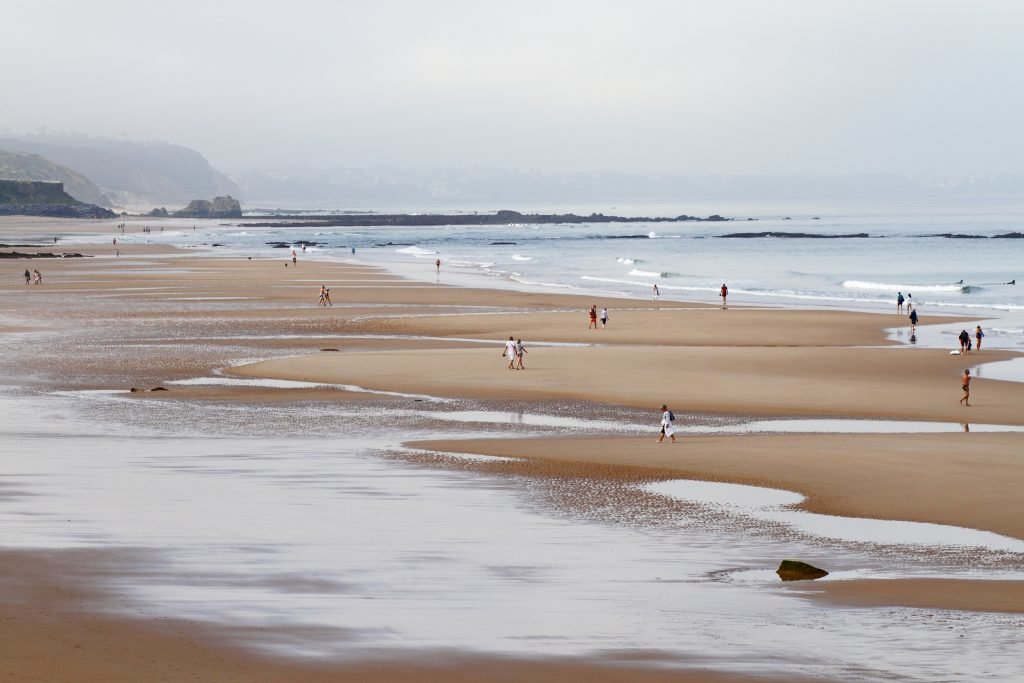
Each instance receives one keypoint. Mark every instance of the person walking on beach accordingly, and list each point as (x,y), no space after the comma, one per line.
(965,384)
(37,277)
(899,302)
(667,427)
(913,319)
(593,317)
(437,264)
(28,277)
(965,340)
(520,350)
(323,296)
(656,292)
(327,296)
(604,317)
(978,334)
(510,352)
(723,292)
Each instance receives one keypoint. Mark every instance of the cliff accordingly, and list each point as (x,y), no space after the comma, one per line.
(34,167)
(139,175)
(34,198)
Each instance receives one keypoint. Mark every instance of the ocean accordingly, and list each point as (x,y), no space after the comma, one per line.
(690,261)
(947,258)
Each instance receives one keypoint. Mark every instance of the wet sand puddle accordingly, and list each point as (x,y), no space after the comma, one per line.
(296,517)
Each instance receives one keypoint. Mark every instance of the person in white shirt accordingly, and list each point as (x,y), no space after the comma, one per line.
(510,352)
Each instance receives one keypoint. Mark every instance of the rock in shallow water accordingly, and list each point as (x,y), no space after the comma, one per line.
(794,570)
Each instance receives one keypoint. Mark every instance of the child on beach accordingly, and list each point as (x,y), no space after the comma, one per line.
(667,428)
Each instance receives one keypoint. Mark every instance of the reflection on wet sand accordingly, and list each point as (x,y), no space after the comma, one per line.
(328,536)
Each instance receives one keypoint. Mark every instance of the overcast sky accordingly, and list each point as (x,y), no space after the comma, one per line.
(690,86)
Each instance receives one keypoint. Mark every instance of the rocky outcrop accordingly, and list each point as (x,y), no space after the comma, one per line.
(794,570)
(159,212)
(220,207)
(33,198)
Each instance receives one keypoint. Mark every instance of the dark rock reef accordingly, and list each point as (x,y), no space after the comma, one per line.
(504,217)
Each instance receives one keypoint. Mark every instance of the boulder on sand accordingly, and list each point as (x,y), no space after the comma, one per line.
(794,570)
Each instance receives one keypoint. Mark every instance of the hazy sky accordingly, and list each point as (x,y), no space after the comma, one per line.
(691,86)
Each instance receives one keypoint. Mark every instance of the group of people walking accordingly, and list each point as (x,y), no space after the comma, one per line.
(34,278)
(325,296)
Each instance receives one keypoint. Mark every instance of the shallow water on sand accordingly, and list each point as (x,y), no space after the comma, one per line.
(309,522)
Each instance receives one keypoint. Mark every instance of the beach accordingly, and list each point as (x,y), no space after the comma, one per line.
(411,371)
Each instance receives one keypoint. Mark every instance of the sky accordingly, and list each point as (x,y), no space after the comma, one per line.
(688,86)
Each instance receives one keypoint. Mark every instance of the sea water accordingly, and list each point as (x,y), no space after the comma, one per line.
(906,250)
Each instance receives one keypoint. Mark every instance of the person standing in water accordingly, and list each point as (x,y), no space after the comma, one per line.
(964,341)
(965,384)
(656,292)
(899,302)
(978,334)
(723,292)
(437,264)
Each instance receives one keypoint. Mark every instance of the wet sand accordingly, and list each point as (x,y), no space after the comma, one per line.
(53,628)
(968,480)
(177,316)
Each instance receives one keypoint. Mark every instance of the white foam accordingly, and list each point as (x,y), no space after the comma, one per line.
(865,284)
(517,257)
(645,273)
(416,251)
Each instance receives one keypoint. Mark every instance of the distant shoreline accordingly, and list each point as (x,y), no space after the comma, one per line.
(499,218)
